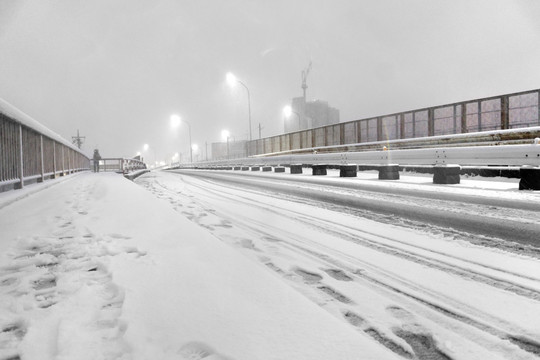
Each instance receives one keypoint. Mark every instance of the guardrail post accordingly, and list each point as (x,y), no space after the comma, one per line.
(20,163)
(505,112)
(42,163)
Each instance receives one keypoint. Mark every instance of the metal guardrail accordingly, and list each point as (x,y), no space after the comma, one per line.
(121,165)
(509,111)
(31,152)
(503,155)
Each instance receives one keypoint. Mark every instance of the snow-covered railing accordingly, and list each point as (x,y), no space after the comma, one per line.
(31,152)
(121,165)
(502,155)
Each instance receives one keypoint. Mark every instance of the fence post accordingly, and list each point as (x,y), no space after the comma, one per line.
(54,159)
(505,113)
(431,122)
(379,129)
(20,164)
(42,163)
(63,162)
(463,117)
(402,126)
(479,115)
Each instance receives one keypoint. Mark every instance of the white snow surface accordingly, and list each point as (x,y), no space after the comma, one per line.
(94,266)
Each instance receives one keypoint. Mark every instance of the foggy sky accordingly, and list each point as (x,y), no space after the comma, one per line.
(117,69)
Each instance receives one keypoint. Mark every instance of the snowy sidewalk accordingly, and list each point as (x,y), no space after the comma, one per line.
(96,267)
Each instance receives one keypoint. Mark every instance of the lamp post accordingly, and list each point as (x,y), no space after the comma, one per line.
(288,111)
(146,147)
(225,134)
(232,80)
(175,122)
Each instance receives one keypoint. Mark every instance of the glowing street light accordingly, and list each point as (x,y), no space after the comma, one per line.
(288,111)
(145,147)
(232,81)
(175,122)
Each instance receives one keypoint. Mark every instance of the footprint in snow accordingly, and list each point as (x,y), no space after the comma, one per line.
(197,351)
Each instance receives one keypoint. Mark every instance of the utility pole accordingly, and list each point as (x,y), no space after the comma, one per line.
(206,146)
(78,140)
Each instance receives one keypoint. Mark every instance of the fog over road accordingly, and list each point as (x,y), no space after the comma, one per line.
(429,272)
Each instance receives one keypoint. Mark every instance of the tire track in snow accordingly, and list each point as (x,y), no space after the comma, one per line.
(415,340)
(359,237)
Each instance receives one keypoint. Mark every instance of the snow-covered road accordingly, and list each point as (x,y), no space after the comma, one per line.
(421,291)
(183,266)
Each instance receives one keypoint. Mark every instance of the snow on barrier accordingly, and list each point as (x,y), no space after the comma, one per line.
(446,160)
(31,152)
(130,168)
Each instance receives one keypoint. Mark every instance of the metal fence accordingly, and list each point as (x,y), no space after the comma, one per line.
(509,111)
(27,154)
(120,165)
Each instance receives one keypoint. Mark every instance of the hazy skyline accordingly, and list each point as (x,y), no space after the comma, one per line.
(116,70)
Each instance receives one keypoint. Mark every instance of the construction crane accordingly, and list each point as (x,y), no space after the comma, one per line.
(304,79)
(78,140)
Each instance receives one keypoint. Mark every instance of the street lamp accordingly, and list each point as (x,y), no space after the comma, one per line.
(232,81)
(145,149)
(175,122)
(225,134)
(288,111)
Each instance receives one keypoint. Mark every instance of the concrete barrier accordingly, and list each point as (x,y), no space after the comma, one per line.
(389,172)
(348,170)
(296,169)
(446,174)
(318,170)
(530,178)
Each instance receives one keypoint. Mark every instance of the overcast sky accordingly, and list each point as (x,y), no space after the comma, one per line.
(117,69)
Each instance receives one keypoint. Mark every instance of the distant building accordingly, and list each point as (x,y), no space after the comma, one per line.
(234,150)
(310,114)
